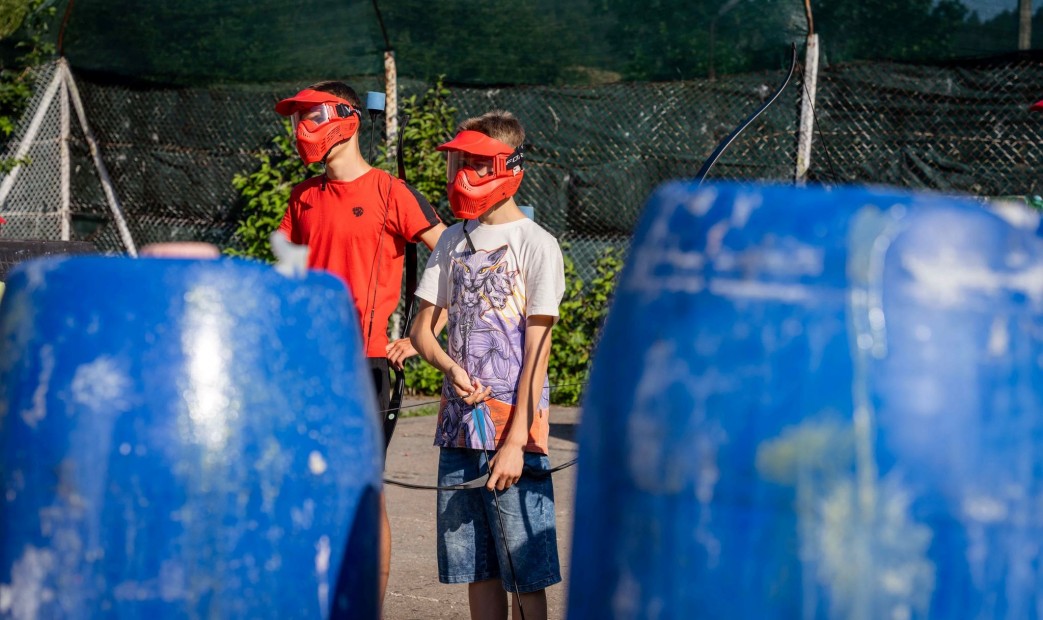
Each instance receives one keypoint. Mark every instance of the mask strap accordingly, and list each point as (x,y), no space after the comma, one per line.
(344,110)
(517,158)
(470,244)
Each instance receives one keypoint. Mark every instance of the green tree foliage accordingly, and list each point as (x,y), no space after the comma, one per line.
(679,39)
(29,49)
(583,310)
(430,121)
(535,42)
(197,42)
(264,194)
(996,35)
(12,14)
(889,29)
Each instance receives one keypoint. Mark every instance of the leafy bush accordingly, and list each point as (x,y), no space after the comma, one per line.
(583,309)
(423,378)
(431,120)
(16,80)
(265,193)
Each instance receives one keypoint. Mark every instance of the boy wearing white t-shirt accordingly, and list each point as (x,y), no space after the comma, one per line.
(499,277)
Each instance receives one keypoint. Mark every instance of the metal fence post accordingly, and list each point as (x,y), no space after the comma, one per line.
(99,164)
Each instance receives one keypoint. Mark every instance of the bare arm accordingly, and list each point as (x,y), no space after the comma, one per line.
(425,341)
(430,236)
(402,349)
(506,466)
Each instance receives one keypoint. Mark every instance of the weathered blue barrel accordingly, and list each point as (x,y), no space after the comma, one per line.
(816,404)
(184,439)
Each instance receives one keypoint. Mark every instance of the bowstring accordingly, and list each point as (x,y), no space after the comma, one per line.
(478,417)
(493,395)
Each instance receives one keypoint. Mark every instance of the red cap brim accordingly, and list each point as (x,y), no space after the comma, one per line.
(1038,106)
(476,143)
(305,99)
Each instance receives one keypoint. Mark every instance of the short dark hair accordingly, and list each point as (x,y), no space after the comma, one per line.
(340,89)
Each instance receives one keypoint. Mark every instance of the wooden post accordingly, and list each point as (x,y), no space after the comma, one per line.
(391,122)
(807,110)
(391,105)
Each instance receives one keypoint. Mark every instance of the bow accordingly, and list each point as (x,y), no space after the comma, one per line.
(716,154)
(395,404)
(475,483)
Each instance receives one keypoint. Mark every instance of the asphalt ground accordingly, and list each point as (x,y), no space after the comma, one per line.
(413,588)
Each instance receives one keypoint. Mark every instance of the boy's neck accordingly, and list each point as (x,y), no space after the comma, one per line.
(345,162)
(502,213)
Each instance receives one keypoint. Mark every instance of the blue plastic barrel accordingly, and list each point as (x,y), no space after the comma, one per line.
(815,404)
(184,439)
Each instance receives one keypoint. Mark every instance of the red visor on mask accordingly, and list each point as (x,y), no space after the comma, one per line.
(321,121)
(1038,106)
(473,190)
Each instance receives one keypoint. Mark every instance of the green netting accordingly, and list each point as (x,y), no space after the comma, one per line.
(206,42)
(957,128)
(210,42)
(595,153)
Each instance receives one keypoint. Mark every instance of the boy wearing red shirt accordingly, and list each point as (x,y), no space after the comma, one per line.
(355,220)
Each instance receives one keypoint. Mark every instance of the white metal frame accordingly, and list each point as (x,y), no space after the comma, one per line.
(64,85)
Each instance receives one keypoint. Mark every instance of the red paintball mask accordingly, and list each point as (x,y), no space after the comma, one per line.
(480,172)
(321,121)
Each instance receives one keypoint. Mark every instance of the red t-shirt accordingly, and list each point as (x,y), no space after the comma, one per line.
(357,230)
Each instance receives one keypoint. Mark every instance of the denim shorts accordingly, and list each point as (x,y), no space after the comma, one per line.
(470,541)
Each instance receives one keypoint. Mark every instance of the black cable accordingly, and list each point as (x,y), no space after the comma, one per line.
(372,134)
(391,414)
(477,483)
(493,395)
(375,267)
(383,31)
(499,515)
(506,547)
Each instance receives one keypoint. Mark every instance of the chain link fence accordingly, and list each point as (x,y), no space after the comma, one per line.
(594,153)
(960,128)
(31,195)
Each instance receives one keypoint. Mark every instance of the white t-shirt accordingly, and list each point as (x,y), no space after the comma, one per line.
(515,270)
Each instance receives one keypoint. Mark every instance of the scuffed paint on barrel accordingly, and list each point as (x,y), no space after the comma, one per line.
(816,404)
(184,439)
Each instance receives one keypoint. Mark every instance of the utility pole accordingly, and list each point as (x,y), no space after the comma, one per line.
(1024,24)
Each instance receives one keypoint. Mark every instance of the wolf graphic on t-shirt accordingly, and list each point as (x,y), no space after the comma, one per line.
(485,336)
